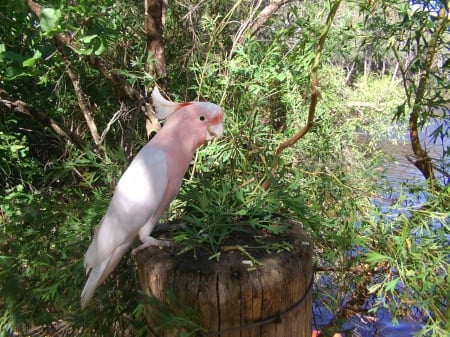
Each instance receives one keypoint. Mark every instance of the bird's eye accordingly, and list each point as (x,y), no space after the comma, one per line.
(202,118)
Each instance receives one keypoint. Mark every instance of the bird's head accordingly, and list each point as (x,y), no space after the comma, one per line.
(198,115)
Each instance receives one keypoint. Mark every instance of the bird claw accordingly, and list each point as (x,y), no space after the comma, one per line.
(150,241)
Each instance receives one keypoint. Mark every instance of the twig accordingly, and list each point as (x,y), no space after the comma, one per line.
(359,269)
(313,98)
(23,108)
(265,15)
(83,102)
(95,61)
(112,76)
(239,36)
(113,119)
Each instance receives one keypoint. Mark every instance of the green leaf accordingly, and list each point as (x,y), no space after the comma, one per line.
(242,212)
(281,77)
(49,18)
(373,289)
(88,38)
(390,286)
(13,73)
(30,62)
(2,52)
(99,47)
(93,45)
(374,257)
(85,51)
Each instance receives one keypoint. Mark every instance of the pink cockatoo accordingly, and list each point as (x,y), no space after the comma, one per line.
(150,183)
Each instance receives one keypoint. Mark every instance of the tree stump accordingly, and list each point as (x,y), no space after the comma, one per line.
(251,290)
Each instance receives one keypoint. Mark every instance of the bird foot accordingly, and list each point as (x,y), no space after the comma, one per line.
(151,241)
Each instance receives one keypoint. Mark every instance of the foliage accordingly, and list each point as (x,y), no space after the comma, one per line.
(411,247)
(53,193)
(418,39)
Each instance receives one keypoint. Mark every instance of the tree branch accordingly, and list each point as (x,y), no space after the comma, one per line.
(94,61)
(83,102)
(424,163)
(23,108)
(252,24)
(121,112)
(313,97)
(112,76)
(265,15)
(153,22)
(154,17)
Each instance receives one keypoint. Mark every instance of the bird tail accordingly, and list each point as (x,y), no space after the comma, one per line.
(92,282)
(100,272)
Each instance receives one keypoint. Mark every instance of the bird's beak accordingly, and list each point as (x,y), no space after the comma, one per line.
(215,131)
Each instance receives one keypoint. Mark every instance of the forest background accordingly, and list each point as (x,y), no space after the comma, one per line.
(309,88)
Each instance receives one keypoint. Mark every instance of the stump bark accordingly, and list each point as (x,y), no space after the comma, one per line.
(230,296)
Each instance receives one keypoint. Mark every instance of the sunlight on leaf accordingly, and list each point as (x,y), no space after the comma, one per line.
(49,18)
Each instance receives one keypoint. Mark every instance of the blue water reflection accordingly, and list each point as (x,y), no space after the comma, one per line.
(404,186)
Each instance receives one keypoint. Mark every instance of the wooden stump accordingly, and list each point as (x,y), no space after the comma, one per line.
(231,297)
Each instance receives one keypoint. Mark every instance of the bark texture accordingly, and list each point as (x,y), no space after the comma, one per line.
(230,296)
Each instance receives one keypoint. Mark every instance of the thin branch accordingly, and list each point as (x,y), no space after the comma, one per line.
(114,77)
(83,102)
(313,97)
(239,36)
(94,61)
(265,15)
(254,22)
(113,119)
(111,75)
(358,269)
(23,108)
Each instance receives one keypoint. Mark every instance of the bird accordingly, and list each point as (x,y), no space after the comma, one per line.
(146,188)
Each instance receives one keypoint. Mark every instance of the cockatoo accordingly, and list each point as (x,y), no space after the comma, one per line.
(149,184)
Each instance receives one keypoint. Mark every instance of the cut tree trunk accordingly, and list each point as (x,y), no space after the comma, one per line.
(252,290)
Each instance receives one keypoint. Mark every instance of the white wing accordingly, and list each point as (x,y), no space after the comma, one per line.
(136,198)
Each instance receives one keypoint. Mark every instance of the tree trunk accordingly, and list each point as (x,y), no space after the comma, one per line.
(250,291)
(155,11)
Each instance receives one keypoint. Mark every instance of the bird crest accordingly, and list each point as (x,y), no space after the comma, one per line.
(163,107)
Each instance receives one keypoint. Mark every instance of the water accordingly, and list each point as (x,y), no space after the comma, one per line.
(366,326)
(398,173)
(399,170)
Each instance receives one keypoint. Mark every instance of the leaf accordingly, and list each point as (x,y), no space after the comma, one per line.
(242,212)
(374,257)
(93,45)
(49,18)
(390,286)
(2,52)
(85,51)
(13,73)
(30,62)
(16,148)
(88,38)
(99,47)
(374,288)
(281,76)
